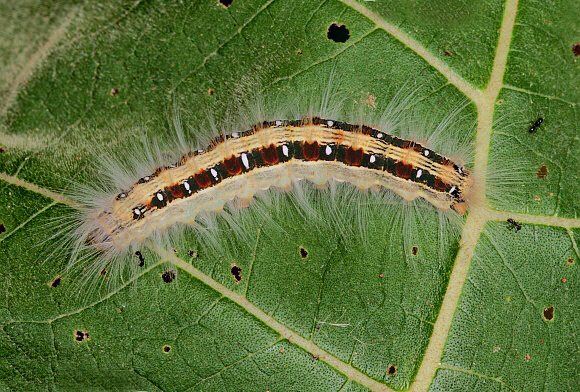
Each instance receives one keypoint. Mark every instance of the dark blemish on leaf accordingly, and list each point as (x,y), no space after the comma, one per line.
(81,336)
(549,313)
(104,271)
(543,172)
(226,3)
(570,261)
(414,251)
(381,275)
(210,92)
(2,150)
(193,254)
(2,228)
(56,282)
(499,102)
(315,357)
(166,349)
(528,357)
(114,92)
(299,51)
(576,49)
(174,250)
(391,370)
(317,327)
(168,276)
(338,33)
(303,253)
(448,52)
(513,225)
(141,258)
(236,273)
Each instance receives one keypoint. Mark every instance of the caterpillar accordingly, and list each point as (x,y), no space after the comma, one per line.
(288,155)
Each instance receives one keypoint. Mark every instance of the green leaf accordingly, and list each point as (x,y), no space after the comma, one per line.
(315,309)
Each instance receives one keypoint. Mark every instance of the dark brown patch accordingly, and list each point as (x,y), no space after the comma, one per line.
(299,51)
(2,228)
(576,49)
(115,92)
(570,260)
(168,276)
(174,192)
(81,336)
(2,150)
(303,253)
(56,282)
(236,273)
(549,313)
(404,171)
(543,172)
(310,151)
(270,155)
(440,185)
(193,254)
(414,251)
(226,3)
(233,165)
(202,179)
(353,157)
(391,370)
(104,271)
(210,92)
(174,250)
(166,349)
(338,33)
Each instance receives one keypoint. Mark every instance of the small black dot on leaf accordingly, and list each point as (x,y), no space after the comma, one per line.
(576,49)
(2,228)
(549,313)
(570,260)
(226,3)
(414,251)
(166,349)
(338,33)
(210,92)
(391,370)
(168,276)
(115,92)
(193,254)
(56,282)
(303,253)
(81,336)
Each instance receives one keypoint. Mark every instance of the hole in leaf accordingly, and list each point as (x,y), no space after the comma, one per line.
(168,276)
(226,3)
(299,51)
(391,370)
(193,254)
(2,150)
(543,172)
(576,49)
(236,272)
(570,260)
(414,251)
(2,228)
(141,258)
(56,282)
(166,349)
(174,250)
(104,271)
(303,253)
(549,313)
(210,92)
(115,92)
(338,33)
(81,336)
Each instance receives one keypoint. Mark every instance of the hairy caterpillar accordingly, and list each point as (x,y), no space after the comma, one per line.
(329,168)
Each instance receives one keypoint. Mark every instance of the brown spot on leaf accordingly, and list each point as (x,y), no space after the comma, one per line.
(169,276)
(236,272)
(166,349)
(391,370)
(549,313)
(303,253)
(115,92)
(576,49)
(414,251)
(56,282)
(543,172)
